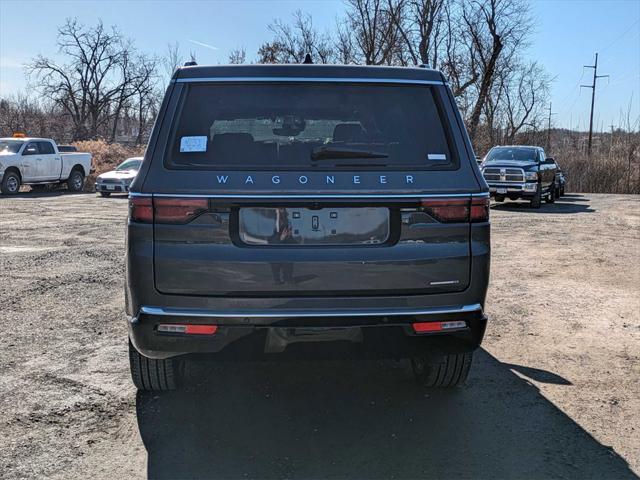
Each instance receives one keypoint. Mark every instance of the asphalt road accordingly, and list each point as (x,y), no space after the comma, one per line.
(554,393)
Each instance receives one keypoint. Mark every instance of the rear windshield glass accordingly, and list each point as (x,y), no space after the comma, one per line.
(271,126)
(521,154)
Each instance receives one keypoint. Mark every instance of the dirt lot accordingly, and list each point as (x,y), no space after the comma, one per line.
(555,392)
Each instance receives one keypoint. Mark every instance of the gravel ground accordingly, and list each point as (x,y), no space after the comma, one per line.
(555,392)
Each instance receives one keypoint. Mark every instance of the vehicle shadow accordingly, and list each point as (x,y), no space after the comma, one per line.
(366,420)
(568,204)
(43,194)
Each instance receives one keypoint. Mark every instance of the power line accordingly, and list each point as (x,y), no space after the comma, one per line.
(593,97)
(620,36)
(567,98)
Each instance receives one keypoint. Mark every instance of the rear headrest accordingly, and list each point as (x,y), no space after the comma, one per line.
(349,132)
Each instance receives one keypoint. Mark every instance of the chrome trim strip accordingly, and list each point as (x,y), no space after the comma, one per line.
(163,312)
(320,196)
(308,79)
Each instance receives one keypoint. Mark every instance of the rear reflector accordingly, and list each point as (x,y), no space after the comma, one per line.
(188,329)
(422,327)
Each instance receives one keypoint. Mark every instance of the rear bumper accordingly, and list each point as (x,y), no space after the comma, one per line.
(513,190)
(246,324)
(112,188)
(362,334)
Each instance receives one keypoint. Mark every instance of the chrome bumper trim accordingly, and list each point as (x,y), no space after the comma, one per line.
(178,312)
(320,196)
(305,80)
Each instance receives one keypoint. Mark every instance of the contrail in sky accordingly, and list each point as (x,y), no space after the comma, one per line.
(203,44)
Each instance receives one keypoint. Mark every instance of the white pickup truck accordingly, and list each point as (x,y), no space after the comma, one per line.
(37,162)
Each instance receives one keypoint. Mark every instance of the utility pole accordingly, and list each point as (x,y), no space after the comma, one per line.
(549,130)
(593,98)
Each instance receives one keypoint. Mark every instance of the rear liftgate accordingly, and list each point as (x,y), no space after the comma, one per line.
(300,247)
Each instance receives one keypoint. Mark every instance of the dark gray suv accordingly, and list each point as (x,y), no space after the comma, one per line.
(307,211)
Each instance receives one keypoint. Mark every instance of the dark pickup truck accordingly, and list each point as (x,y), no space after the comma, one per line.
(307,210)
(521,172)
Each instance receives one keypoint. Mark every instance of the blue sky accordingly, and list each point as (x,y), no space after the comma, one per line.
(567,33)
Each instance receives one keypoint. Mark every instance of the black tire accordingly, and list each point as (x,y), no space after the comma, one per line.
(447,372)
(10,183)
(536,201)
(75,182)
(105,194)
(151,374)
(499,198)
(551,198)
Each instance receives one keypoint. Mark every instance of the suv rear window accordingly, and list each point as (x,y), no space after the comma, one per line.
(299,126)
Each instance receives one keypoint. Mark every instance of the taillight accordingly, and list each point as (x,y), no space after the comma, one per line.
(141,209)
(178,210)
(457,210)
(480,209)
(166,210)
(449,210)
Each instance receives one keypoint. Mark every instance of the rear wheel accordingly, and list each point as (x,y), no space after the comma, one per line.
(499,198)
(10,183)
(151,374)
(446,372)
(75,182)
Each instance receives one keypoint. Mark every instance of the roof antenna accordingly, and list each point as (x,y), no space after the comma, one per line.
(307,59)
(192,60)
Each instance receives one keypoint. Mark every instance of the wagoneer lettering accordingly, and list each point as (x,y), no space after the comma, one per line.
(325,210)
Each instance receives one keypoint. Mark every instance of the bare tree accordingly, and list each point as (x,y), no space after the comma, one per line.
(147,95)
(525,93)
(270,52)
(495,29)
(172,59)
(420,25)
(22,113)
(237,56)
(87,85)
(291,42)
(373,29)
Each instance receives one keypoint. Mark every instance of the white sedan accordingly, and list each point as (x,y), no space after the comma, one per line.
(118,180)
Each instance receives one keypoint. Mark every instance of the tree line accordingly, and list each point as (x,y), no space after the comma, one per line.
(105,88)
(479,45)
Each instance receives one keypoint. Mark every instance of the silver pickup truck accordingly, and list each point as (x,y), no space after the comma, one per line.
(37,162)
